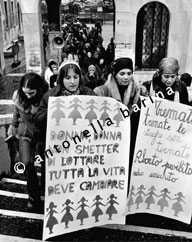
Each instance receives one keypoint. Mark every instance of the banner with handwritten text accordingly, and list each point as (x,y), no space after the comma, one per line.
(87,150)
(161,176)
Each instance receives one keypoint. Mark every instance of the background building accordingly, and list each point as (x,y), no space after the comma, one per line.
(11,28)
(144,30)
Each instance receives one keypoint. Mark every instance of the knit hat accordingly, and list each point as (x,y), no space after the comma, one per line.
(169,65)
(91,68)
(121,63)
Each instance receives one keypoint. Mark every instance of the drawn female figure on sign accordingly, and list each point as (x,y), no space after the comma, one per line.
(75,114)
(57,114)
(139,198)
(163,201)
(82,213)
(118,117)
(150,199)
(51,220)
(130,198)
(97,211)
(177,206)
(105,115)
(67,216)
(111,209)
(91,114)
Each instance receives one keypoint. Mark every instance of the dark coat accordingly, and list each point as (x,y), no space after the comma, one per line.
(23,120)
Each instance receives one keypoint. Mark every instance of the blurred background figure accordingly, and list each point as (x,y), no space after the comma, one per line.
(187,78)
(92,78)
(49,71)
(53,78)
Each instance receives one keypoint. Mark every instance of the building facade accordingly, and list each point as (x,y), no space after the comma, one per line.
(145,30)
(11,27)
(153,30)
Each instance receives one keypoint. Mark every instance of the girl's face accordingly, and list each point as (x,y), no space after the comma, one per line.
(168,79)
(89,54)
(55,70)
(123,77)
(29,93)
(71,81)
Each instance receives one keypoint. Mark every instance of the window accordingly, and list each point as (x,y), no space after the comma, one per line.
(12,14)
(6,15)
(151,35)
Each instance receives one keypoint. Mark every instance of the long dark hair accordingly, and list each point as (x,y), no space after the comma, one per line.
(33,81)
(63,72)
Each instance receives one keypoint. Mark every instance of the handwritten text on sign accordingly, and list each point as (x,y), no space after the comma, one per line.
(87,168)
(161,176)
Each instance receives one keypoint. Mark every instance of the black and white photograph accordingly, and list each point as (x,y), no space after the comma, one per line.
(95,120)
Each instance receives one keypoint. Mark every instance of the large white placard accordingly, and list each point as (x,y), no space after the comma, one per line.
(161,176)
(87,146)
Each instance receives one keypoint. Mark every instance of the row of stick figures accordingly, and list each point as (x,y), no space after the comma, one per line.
(90,115)
(82,214)
(162,202)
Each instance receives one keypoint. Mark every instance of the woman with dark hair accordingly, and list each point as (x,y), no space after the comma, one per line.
(122,86)
(69,82)
(26,100)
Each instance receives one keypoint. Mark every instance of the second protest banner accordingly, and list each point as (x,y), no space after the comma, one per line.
(161,176)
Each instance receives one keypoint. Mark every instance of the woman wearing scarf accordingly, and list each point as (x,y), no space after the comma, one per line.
(166,83)
(122,86)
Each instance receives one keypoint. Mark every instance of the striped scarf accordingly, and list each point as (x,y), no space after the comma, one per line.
(65,92)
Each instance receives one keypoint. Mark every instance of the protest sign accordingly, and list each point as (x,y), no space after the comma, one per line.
(87,145)
(162,166)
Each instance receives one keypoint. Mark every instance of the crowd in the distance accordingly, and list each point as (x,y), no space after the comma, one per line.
(86,69)
(85,45)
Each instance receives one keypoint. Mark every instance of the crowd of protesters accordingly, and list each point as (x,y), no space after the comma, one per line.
(85,45)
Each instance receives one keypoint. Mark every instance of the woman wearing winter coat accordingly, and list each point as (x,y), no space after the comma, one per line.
(92,78)
(26,101)
(166,83)
(122,86)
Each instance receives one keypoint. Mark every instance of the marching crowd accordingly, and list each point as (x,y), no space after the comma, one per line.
(86,69)
(85,45)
